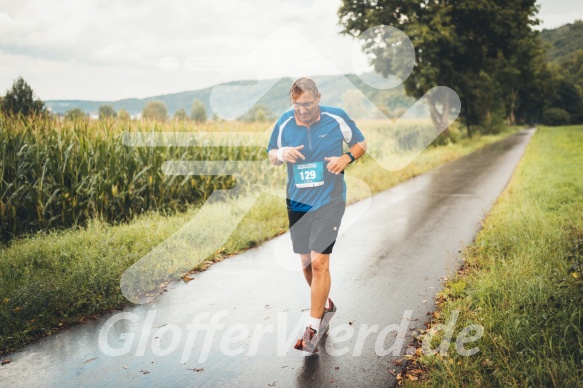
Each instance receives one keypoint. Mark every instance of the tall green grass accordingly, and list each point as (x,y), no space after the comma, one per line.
(523,277)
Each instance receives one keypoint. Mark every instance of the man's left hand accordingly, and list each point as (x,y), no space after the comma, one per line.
(337,164)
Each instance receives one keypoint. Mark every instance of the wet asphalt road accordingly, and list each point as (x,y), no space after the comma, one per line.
(389,262)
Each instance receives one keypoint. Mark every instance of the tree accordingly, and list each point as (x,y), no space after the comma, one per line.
(123,115)
(569,99)
(106,111)
(573,69)
(180,114)
(198,112)
(463,44)
(563,41)
(259,113)
(74,114)
(260,116)
(21,99)
(155,110)
(430,29)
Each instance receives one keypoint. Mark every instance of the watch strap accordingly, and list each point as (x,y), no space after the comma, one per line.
(351,156)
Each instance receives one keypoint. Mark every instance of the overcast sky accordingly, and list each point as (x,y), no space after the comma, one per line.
(108,50)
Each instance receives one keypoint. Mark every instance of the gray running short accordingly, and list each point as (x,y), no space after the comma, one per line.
(316,230)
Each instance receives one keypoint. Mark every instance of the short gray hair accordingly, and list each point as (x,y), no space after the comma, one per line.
(302,85)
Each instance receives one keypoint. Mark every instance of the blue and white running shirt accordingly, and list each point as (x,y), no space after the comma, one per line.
(309,183)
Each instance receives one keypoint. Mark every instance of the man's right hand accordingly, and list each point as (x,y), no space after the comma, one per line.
(292,154)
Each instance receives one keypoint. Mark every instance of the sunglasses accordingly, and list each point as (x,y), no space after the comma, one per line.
(298,105)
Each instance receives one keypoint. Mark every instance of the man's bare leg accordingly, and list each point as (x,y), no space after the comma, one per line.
(307,267)
(320,285)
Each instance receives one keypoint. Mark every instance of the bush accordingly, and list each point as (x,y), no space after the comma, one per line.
(450,137)
(556,116)
(410,137)
(495,122)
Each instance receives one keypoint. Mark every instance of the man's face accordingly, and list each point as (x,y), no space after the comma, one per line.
(306,107)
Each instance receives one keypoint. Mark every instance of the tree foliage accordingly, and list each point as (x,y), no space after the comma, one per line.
(106,111)
(74,114)
(20,99)
(562,42)
(155,110)
(198,112)
(258,113)
(123,115)
(483,49)
(572,68)
(180,114)
(564,80)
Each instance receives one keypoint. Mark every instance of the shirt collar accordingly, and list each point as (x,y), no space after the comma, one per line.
(298,122)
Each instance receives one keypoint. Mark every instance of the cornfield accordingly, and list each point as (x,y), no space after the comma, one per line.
(59,174)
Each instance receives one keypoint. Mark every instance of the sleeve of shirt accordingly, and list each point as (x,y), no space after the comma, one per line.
(274,135)
(357,135)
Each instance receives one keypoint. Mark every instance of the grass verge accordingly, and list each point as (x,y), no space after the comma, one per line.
(521,280)
(54,279)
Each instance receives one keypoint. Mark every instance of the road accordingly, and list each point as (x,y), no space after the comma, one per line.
(389,262)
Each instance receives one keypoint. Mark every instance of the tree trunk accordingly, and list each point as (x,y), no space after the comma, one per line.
(439,119)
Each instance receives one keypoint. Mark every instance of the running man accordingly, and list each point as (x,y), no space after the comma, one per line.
(309,139)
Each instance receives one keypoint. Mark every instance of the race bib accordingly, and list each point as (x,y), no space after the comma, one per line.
(309,174)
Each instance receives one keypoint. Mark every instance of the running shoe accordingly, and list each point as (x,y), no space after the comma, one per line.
(327,317)
(309,342)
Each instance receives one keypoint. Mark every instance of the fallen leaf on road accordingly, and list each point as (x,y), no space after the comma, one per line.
(4,362)
(91,359)
(412,378)
(188,277)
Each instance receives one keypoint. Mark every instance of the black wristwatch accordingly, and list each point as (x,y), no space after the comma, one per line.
(351,156)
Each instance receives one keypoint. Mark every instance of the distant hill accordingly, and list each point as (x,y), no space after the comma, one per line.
(563,41)
(335,90)
(562,45)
